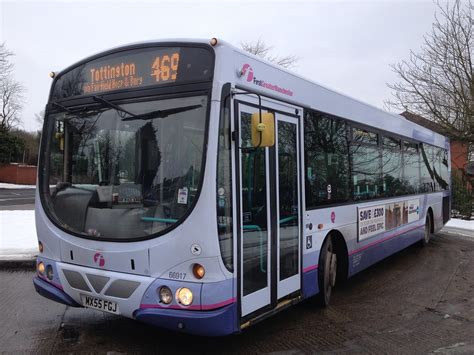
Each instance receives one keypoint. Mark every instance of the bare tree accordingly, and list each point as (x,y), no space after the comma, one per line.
(11,104)
(437,82)
(11,93)
(261,49)
(5,65)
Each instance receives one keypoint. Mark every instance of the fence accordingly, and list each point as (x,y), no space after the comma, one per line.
(18,174)
(462,197)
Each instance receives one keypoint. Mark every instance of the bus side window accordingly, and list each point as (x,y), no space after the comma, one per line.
(411,171)
(426,178)
(366,165)
(392,167)
(326,159)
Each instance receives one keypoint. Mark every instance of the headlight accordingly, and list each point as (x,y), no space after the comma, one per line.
(41,268)
(49,272)
(165,295)
(184,296)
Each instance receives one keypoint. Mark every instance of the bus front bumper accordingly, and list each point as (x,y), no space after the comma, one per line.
(217,322)
(53,293)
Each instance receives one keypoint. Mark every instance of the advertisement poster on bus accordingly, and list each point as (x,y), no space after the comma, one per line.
(413,210)
(371,221)
(377,219)
(396,214)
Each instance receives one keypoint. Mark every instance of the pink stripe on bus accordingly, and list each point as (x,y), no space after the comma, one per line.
(383,240)
(143,306)
(194,308)
(309,268)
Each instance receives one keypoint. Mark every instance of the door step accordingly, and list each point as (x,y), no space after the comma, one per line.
(283,304)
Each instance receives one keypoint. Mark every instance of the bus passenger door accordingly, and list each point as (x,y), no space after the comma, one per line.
(269,211)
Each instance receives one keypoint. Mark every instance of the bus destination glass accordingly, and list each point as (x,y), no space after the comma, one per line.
(135,69)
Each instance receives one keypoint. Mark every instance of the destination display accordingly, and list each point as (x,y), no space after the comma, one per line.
(137,68)
(374,220)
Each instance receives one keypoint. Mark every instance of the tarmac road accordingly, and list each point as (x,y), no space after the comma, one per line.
(417,301)
(17,199)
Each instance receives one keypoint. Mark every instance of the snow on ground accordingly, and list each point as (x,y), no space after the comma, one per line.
(461,223)
(18,235)
(4,185)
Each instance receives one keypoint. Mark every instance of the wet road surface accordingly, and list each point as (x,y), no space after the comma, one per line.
(420,300)
(17,199)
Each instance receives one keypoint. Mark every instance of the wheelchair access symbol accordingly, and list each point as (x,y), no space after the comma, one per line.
(309,241)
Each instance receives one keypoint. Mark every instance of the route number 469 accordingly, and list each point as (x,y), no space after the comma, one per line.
(165,68)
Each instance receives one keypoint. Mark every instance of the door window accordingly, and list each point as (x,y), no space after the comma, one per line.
(288,198)
(254,212)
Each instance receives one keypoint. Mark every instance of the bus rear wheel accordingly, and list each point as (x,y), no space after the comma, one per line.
(327,272)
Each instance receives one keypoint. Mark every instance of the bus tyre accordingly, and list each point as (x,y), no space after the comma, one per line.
(327,272)
(427,234)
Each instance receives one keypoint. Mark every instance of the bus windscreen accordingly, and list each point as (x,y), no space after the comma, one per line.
(135,69)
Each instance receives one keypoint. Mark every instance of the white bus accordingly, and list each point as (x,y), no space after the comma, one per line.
(196,187)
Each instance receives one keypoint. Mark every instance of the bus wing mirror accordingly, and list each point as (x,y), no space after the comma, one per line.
(263,130)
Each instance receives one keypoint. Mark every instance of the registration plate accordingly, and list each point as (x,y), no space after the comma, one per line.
(100,304)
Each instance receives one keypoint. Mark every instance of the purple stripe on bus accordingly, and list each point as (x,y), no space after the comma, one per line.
(218,305)
(50,282)
(217,292)
(309,268)
(383,240)
(222,321)
(310,283)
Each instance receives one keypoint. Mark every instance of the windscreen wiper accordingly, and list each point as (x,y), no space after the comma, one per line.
(81,112)
(63,108)
(70,113)
(161,113)
(114,106)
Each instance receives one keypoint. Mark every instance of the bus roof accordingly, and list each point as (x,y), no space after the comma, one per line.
(274,81)
(249,72)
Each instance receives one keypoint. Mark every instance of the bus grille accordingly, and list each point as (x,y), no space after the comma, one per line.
(117,288)
(76,280)
(98,282)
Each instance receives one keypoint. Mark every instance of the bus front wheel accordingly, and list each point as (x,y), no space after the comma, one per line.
(327,272)
(427,235)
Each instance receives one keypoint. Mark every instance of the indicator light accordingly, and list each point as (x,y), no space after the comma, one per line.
(41,268)
(198,271)
(213,41)
(52,74)
(40,247)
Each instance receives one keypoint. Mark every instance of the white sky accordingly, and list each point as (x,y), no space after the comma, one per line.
(344,45)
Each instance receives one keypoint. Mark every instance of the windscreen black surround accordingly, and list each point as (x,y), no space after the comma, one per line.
(135,69)
(125,175)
